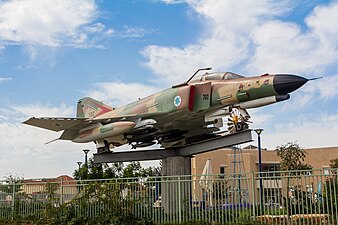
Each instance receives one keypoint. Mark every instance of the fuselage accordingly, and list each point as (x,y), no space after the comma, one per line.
(210,92)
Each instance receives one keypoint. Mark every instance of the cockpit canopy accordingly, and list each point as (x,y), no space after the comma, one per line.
(216,76)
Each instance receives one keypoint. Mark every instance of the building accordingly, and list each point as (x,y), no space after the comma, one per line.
(226,161)
(237,169)
(62,187)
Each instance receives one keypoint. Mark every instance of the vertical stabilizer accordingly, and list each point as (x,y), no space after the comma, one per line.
(89,108)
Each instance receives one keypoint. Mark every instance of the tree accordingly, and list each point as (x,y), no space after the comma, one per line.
(11,184)
(98,171)
(134,169)
(334,163)
(114,170)
(292,157)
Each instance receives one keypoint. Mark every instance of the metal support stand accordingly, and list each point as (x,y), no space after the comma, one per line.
(176,162)
(186,151)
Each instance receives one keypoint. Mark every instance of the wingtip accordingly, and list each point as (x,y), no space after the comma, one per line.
(27,121)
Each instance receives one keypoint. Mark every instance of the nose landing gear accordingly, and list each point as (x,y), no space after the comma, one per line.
(238,120)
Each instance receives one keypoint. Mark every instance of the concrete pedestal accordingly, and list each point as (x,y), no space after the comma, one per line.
(176,189)
(176,166)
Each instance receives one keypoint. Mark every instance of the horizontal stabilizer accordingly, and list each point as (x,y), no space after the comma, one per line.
(54,124)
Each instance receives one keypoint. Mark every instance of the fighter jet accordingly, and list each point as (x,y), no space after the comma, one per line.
(181,115)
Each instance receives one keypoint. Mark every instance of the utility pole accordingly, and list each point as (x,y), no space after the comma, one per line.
(86,161)
(259,131)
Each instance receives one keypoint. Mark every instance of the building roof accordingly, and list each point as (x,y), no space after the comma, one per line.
(250,147)
(44,180)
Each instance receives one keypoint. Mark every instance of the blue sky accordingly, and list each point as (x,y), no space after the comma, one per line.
(54,52)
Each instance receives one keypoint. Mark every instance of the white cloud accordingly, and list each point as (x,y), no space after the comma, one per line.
(10,116)
(224,43)
(119,93)
(134,32)
(95,28)
(280,48)
(4,79)
(326,87)
(247,37)
(283,47)
(51,23)
(47,23)
(322,22)
(23,147)
(39,110)
(309,130)
(260,116)
(24,152)
(173,1)
(29,66)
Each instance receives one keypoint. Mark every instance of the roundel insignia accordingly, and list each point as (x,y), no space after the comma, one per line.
(177,101)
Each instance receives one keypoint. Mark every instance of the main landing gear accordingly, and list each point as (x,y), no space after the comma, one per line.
(102,146)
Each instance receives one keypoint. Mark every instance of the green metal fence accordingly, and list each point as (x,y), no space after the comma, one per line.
(297,197)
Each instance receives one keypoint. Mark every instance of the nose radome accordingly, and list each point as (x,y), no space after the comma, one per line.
(285,83)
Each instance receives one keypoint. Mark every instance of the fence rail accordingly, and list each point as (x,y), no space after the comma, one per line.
(297,197)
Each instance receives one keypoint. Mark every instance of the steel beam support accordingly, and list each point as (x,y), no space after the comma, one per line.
(216,143)
(187,151)
(135,155)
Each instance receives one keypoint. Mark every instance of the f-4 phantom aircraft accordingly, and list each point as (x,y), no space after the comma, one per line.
(178,116)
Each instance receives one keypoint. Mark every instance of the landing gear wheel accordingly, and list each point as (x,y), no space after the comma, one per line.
(106,146)
(239,127)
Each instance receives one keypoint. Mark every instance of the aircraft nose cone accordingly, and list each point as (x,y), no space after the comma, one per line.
(284,83)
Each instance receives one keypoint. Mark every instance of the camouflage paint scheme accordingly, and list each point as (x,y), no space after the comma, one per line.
(173,117)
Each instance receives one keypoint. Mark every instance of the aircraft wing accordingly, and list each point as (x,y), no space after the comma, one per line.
(55,123)
(64,123)
(193,129)
(172,129)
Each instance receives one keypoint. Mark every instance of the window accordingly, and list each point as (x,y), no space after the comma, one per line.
(222,171)
(230,76)
(272,170)
(216,76)
(326,170)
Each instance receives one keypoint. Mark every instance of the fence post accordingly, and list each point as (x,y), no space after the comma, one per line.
(179,200)
(13,200)
(61,192)
(253,194)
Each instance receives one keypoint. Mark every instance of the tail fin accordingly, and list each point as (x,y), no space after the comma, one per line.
(89,108)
